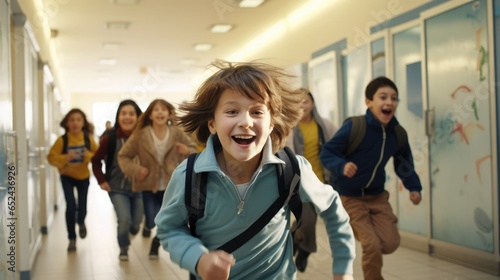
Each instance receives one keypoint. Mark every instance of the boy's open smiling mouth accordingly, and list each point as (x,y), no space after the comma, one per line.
(243,139)
(386,111)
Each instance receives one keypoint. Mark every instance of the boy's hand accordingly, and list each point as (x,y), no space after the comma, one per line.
(415,197)
(215,265)
(350,169)
(343,277)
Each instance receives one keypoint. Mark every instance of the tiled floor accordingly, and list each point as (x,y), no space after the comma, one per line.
(97,255)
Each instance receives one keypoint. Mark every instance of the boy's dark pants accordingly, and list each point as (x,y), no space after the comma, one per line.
(375,227)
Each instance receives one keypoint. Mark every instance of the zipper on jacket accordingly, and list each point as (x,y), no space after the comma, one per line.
(378,163)
(241,204)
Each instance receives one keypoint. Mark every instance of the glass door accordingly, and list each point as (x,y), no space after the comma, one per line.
(459,126)
(407,61)
(33,124)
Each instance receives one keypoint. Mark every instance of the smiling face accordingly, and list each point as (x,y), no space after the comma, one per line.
(127,118)
(383,105)
(159,115)
(242,125)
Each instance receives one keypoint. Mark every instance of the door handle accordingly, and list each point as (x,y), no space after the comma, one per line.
(429,124)
(12,150)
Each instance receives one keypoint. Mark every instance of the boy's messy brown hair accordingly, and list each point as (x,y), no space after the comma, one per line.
(258,81)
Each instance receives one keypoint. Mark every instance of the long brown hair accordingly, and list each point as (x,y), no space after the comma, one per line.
(87,126)
(144,118)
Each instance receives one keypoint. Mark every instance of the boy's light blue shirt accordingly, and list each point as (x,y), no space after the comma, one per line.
(268,255)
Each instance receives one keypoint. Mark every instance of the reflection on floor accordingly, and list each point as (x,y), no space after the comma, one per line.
(97,255)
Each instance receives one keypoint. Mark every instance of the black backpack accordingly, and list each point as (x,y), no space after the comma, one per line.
(288,184)
(65,141)
(358,131)
(111,149)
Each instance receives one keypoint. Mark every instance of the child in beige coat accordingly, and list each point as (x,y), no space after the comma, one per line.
(159,145)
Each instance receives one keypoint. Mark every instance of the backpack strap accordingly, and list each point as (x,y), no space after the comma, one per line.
(65,143)
(110,150)
(401,136)
(288,186)
(291,183)
(195,193)
(86,140)
(357,133)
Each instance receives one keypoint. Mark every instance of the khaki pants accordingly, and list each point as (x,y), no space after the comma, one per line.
(375,227)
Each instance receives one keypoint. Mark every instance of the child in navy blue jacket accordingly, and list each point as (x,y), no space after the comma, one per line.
(359,177)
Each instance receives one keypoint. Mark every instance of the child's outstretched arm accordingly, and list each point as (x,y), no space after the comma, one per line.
(327,204)
(403,165)
(171,221)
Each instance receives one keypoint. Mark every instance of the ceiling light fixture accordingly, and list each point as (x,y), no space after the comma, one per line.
(250,3)
(107,61)
(202,47)
(126,2)
(221,28)
(111,45)
(117,25)
(188,61)
(54,33)
(103,80)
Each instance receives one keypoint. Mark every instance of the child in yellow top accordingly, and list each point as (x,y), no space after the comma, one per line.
(71,154)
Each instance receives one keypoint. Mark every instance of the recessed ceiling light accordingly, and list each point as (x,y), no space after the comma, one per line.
(111,45)
(107,61)
(103,80)
(188,61)
(250,3)
(202,47)
(221,28)
(54,33)
(124,1)
(117,25)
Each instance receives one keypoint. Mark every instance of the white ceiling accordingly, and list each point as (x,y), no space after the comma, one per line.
(161,35)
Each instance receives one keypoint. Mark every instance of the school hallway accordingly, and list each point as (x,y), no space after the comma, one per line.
(96,257)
